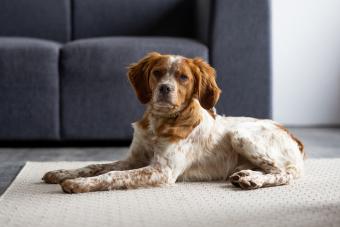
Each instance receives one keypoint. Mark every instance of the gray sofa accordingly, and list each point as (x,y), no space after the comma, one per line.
(63,62)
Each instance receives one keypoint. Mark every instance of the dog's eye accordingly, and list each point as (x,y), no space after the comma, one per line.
(157,73)
(183,77)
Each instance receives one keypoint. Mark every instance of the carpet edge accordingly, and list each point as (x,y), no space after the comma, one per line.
(12,182)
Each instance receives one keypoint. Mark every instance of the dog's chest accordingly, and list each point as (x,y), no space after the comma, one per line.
(205,154)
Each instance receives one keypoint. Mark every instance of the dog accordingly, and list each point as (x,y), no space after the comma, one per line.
(182,138)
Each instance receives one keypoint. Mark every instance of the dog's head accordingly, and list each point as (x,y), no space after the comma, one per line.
(169,82)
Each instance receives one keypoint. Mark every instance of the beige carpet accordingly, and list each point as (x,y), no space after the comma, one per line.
(311,201)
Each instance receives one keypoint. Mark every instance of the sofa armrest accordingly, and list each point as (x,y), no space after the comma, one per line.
(239,44)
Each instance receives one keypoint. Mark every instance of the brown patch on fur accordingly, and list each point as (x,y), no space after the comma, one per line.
(206,87)
(139,73)
(175,127)
(181,126)
(299,143)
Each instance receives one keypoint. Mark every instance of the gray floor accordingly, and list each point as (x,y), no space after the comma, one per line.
(319,143)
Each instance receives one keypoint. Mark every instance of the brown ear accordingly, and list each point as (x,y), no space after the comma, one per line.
(206,87)
(138,74)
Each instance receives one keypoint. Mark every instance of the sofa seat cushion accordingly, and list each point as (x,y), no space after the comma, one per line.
(29,91)
(97,101)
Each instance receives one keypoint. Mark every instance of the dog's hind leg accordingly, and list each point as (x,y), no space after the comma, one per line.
(275,157)
(248,176)
(250,179)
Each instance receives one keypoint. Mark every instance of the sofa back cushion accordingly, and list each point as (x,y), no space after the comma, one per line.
(46,19)
(93,18)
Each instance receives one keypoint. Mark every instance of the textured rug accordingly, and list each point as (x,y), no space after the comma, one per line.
(311,201)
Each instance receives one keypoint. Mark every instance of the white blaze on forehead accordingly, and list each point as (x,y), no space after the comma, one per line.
(174,59)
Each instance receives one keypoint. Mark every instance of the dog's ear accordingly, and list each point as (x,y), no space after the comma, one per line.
(206,89)
(138,74)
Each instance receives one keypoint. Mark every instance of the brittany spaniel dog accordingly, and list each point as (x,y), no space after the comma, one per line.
(181,138)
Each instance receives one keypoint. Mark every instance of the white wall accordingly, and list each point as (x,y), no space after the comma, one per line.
(306,61)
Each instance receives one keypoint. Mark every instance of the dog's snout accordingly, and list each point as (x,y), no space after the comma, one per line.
(165,89)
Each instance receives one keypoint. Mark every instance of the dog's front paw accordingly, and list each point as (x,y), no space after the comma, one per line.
(56,176)
(77,185)
(246,179)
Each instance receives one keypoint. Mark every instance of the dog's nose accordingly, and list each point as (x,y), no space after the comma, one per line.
(164,89)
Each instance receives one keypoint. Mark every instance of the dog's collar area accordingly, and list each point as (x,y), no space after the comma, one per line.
(169,116)
(174,115)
